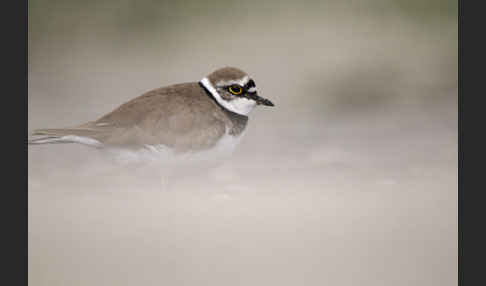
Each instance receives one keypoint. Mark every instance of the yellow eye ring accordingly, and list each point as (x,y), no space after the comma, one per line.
(235,89)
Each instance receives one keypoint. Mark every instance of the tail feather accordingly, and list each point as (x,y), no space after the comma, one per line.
(46,140)
(65,135)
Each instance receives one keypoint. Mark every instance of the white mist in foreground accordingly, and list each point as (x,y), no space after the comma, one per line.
(353,206)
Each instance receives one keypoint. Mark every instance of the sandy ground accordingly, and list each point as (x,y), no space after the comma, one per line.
(351,179)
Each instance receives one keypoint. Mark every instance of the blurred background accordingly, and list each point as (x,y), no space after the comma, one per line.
(351,179)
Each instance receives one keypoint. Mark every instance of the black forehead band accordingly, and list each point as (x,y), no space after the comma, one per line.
(250,84)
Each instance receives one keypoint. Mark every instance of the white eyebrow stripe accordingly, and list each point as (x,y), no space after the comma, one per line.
(241,82)
(252,89)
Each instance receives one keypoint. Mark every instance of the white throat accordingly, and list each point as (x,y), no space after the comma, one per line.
(238,105)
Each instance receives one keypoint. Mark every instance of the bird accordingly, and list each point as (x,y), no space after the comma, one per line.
(208,116)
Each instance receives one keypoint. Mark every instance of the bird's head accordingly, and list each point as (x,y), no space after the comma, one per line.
(233,89)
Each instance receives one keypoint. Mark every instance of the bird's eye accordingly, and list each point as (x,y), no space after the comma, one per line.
(235,89)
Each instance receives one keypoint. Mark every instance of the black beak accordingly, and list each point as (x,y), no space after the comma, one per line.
(260,100)
(264,101)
